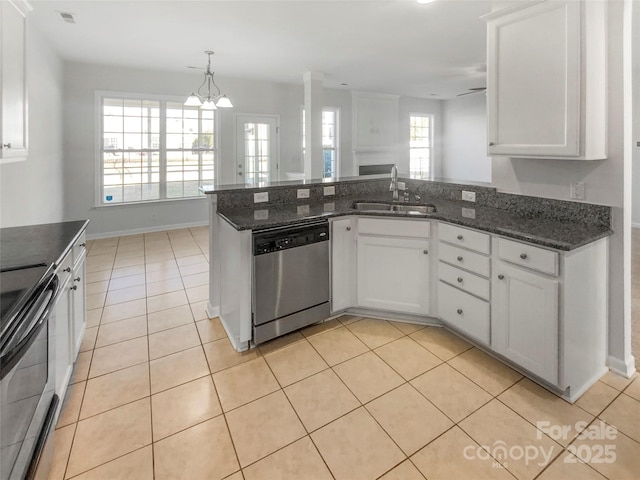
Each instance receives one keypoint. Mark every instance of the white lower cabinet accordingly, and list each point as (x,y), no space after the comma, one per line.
(343,263)
(465,312)
(526,320)
(393,274)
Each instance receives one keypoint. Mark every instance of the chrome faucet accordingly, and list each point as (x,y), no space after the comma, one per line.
(394,182)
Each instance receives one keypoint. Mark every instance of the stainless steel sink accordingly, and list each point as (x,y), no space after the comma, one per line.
(391,208)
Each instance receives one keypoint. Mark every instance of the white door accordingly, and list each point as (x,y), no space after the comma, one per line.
(343,263)
(257,148)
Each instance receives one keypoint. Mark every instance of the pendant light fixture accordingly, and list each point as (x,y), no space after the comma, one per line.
(212,100)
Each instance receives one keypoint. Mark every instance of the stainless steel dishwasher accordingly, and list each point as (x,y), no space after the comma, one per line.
(290,279)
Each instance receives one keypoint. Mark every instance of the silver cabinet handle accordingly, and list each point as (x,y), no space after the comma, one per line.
(459,259)
(523,256)
(77,279)
(426,252)
(84,244)
(460,237)
(348,229)
(459,279)
(459,311)
(6,145)
(68,269)
(491,144)
(75,287)
(501,277)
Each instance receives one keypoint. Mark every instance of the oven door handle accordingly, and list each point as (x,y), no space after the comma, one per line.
(16,348)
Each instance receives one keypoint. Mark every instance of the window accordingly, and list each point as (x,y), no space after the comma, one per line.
(420,146)
(154,149)
(330,141)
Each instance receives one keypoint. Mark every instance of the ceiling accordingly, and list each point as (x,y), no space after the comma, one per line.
(390,46)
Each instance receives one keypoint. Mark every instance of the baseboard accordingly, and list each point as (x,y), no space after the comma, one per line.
(237,346)
(626,368)
(138,231)
(382,315)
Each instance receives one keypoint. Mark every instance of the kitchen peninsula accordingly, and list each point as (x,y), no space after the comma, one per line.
(522,277)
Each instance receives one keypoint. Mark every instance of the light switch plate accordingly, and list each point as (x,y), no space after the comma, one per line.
(577,190)
(260,197)
(329,191)
(468,196)
(303,193)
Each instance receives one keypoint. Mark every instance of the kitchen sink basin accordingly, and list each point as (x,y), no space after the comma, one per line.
(393,208)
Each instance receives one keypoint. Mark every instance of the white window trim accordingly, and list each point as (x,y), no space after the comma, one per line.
(432,152)
(99,95)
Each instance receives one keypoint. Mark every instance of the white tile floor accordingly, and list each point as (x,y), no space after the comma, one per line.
(158,393)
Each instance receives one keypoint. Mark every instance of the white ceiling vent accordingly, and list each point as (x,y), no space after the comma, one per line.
(67,17)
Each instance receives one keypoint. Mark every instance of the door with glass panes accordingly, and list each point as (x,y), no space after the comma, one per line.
(257,148)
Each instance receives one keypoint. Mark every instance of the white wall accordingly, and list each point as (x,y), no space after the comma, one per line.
(636,117)
(31,191)
(604,184)
(464,139)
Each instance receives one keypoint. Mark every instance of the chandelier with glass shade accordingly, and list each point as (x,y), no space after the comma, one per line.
(214,98)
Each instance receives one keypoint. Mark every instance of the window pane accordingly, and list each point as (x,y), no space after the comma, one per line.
(419,146)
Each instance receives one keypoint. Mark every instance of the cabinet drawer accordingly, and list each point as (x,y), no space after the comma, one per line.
(394,227)
(474,262)
(463,280)
(467,313)
(528,256)
(471,239)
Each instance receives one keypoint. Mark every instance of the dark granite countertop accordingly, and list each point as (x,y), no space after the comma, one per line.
(560,235)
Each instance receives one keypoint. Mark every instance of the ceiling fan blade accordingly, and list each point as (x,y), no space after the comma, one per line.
(472,90)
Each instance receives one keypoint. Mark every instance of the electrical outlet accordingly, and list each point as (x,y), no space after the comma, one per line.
(303,209)
(260,197)
(402,186)
(303,193)
(329,191)
(468,196)
(154,217)
(469,212)
(261,214)
(577,190)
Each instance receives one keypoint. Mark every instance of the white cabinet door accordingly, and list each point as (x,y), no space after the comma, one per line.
(525,327)
(63,333)
(79,306)
(393,274)
(343,263)
(546,88)
(13,86)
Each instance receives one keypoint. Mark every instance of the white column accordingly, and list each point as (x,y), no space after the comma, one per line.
(313,92)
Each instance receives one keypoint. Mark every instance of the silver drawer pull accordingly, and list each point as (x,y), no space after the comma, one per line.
(68,269)
(460,237)
(459,279)
(523,256)
(426,252)
(348,229)
(75,287)
(84,244)
(501,277)
(459,259)
(77,279)
(459,311)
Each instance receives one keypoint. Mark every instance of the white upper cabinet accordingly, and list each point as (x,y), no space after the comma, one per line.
(13,82)
(546,80)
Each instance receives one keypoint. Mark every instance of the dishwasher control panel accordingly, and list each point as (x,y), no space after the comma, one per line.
(275,240)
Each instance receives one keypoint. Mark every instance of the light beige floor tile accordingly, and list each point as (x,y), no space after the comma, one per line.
(244,383)
(191,260)
(408,418)
(180,456)
(484,370)
(596,399)
(126,295)
(199,310)
(170,318)
(115,389)
(408,358)
(320,328)
(71,405)
(96,300)
(495,424)
(440,342)
(624,414)
(136,465)
(568,467)
(407,328)
(162,275)
(295,362)
(181,367)
(279,343)
(633,390)
(162,265)
(81,367)
(320,399)
(122,311)
(127,271)
(126,282)
(617,381)
(626,464)
(451,392)
(539,406)
(355,446)
(198,294)
(405,471)
(193,269)
(221,355)
(122,330)
(367,376)
(118,356)
(173,340)
(263,426)
(89,339)
(103,250)
(454,455)
(129,259)
(347,319)
(109,435)
(97,287)
(337,345)
(298,461)
(159,255)
(98,276)
(374,333)
(165,286)
(93,317)
(196,280)
(184,406)
(210,330)
(166,301)
(62,448)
